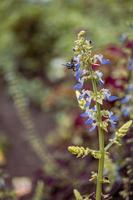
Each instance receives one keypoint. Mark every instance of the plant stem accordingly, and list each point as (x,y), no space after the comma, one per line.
(100,165)
(101,144)
(109,145)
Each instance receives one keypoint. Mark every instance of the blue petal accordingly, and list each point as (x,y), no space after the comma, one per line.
(113,125)
(114,118)
(112,98)
(92,128)
(89,121)
(101,81)
(105,61)
(87,103)
(126,99)
(80,97)
(85,114)
(78,74)
(77,66)
(78,86)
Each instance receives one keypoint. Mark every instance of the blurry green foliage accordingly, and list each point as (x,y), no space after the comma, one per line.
(36,25)
(34,32)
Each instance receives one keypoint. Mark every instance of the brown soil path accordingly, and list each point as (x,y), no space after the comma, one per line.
(21,159)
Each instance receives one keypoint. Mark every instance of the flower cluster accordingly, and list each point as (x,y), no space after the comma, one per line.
(85,65)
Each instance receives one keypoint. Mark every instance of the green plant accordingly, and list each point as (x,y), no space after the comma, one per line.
(84,64)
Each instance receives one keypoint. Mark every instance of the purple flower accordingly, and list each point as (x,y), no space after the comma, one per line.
(93,126)
(77,66)
(76,59)
(89,121)
(108,96)
(79,85)
(86,96)
(113,98)
(102,60)
(79,73)
(112,118)
(85,114)
(126,99)
(100,75)
(90,114)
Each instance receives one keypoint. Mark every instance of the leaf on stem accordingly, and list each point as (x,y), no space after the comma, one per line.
(82,152)
(124,129)
(77,195)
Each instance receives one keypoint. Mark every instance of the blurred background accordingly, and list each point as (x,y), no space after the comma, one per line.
(39,114)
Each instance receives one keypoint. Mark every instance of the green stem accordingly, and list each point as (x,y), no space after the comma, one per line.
(109,145)
(101,144)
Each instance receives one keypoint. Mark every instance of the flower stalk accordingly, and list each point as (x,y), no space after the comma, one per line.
(101,143)
(84,65)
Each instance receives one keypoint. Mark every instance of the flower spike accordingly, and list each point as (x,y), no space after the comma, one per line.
(84,65)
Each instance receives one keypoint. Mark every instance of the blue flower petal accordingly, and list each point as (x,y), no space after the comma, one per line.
(94,108)
(92,128)
(125,99)
(101,82)
(102,60)
(78,86)
(105,61)
(87,104)
(77,66)
(100,75)
(89,121)
(78,74)
(112,98)
(85,114)
(114,118)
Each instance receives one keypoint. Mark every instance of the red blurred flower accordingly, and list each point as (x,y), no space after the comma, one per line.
(116,51)
(79,122)
(129,45)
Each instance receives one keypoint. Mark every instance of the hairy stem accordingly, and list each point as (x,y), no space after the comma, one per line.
(101,144)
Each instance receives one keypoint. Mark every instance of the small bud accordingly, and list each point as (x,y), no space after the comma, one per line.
(93,176)
(81,34)
(82,152)
(79,151)
(77,195)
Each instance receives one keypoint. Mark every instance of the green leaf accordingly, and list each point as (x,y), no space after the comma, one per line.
(77,195)
(124,129)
